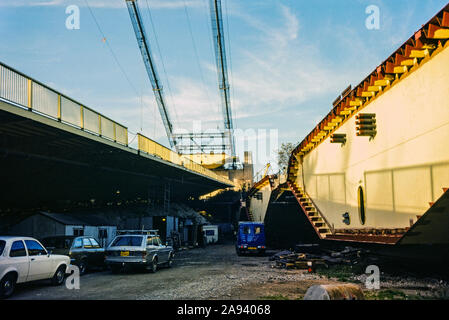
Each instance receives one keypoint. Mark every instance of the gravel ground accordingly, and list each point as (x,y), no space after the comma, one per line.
(407,287)
(216,272)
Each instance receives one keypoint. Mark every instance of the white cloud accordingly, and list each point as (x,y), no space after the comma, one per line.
(292,23)
(286,73)
(192,103)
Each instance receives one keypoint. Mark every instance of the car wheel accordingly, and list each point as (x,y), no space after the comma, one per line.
(239,253)
(7,286)
(153,265)
(83,267)
(59,276)
(170,261)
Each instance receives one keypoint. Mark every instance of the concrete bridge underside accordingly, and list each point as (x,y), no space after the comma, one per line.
(43,161)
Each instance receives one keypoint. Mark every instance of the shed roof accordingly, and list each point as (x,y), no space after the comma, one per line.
(76,219)
(179,210)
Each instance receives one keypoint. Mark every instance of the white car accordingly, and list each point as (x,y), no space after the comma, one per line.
(24,259)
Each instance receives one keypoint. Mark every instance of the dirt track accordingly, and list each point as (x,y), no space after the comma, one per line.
(216,272)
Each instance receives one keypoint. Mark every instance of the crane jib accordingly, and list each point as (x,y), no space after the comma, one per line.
(150,67)
(220,53)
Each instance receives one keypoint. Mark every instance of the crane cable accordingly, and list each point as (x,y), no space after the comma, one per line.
(162,62)
(232,97)
(196,53)
(211,48)
(106,41)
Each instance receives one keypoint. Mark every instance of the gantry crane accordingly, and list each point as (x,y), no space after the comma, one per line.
(220,54)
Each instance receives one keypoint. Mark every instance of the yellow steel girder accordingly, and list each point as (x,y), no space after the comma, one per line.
(210,161)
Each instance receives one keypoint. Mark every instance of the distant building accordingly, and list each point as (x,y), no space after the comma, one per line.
(242,177)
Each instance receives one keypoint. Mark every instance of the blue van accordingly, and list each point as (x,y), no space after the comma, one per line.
(250,238)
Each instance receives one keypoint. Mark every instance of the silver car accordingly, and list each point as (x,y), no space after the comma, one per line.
(138,249)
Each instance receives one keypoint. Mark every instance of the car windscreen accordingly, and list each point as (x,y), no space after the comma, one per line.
(128,241)
(246,230)
(251,229)
(2,246)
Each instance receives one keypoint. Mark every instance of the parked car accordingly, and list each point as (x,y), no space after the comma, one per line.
(84,252)
(24,259)
(250,238)
(138,249)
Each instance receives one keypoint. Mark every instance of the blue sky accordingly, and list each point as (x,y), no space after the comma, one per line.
(290,59)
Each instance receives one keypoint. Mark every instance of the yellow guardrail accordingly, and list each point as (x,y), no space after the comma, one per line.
(152,147)
(36,96)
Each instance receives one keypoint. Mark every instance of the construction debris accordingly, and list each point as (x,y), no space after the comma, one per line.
(313,257)
(289,260)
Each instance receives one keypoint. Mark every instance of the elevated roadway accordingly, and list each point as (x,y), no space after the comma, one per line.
(56,150)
